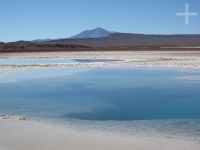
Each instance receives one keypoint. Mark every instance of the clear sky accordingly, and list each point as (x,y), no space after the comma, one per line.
(38,19)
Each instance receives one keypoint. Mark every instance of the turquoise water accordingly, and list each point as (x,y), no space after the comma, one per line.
(32,61)
(101,94)
(37,61)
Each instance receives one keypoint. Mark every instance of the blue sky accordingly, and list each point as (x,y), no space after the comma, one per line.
(38,19)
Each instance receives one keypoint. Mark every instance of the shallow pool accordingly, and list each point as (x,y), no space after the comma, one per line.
(101,94)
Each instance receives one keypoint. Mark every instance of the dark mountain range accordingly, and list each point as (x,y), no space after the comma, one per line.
(127,39)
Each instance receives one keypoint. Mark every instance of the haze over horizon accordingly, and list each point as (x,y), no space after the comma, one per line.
(48,19)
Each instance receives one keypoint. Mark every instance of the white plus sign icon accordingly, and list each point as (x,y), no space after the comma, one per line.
(186,14)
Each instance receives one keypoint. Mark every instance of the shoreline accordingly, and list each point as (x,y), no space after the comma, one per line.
(125,59)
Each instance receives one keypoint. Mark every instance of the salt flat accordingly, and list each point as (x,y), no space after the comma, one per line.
(21,135)
(126,59)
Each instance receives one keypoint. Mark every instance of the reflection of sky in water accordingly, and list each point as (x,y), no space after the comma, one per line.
(101,94)
(31,61)
(37,61)
(28,74)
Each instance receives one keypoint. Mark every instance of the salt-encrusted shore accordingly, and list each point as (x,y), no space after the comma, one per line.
(123,59)
(32,135)
(120,59)
(8,117)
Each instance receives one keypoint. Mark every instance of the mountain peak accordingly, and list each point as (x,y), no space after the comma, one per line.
(94,33)
(98,28)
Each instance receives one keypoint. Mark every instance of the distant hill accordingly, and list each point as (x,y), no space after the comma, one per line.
(20,42)
(41,40)
(95,33)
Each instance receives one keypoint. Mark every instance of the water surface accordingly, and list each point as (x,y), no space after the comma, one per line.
(101,94)
(47,61)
